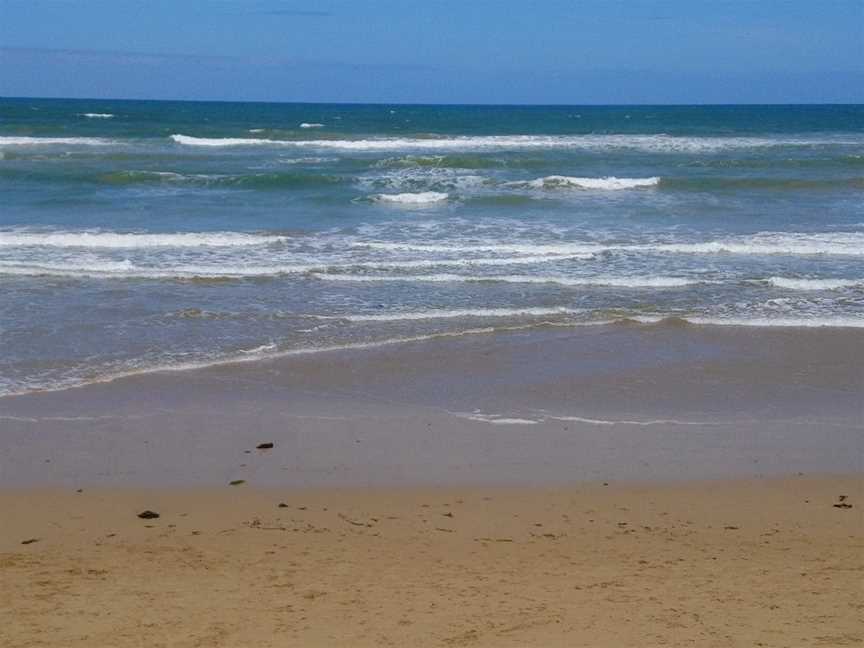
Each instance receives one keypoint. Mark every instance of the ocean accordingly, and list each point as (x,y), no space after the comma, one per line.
(138,236)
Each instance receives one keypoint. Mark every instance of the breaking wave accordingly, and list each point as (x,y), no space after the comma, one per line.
(115,240)
(650,143)
(763,243)
(609,183)
(420,198)
(51,141)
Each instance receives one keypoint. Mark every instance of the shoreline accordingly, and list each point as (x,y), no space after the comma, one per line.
(257,355)
(770,561)
(551,406)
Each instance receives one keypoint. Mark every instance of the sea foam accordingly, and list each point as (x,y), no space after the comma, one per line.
(421,198)
(618,282)
(457,313)
(51,141)
(650,143)
(762,243)
(792,283)
(609,183)
(98,239)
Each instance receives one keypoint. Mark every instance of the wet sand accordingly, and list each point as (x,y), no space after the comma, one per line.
(536,407)
(744,563)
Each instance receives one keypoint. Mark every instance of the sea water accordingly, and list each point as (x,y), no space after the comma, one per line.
(138,235)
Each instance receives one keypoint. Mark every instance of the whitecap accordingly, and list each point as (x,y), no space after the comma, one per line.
(421,198)
(103,239)
(52,141)
(793,283)
(651,143)
(609,183)
(620,282)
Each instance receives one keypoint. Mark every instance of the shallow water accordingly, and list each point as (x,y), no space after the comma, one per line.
(138,235)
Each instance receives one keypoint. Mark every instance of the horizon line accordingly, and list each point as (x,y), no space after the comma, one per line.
(446,104)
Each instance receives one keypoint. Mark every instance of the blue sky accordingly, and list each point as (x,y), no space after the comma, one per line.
(437,51)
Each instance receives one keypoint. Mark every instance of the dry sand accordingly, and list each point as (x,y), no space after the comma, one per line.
(744,563)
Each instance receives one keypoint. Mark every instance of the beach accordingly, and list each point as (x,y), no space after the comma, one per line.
(370,375)
(750,562)
(546,497)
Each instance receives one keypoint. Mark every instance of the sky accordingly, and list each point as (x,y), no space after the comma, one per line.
(436,51)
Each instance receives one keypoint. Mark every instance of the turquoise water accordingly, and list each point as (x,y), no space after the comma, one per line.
(144,235)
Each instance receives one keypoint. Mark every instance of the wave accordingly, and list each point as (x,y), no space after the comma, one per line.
(609,183)
(792,283)
(96,115)
(90,268)
(50,141)
(271,351)
(115,240)
(128,270)
(501,419)
(242,181)
(456,313)
(454,162)
(187,140)
(308,125)
(837,321)
(763,243)
(618,282)
(755,183)
(651,143)
(421,198)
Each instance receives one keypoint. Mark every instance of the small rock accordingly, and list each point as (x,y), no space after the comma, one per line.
(843,505)
(237,482)
(283,505)
(265,446)
(30,541)
(148,515)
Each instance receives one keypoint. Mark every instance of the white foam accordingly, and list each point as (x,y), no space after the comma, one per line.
(127,270)
(225,141)
(791,283)
(609,183)
(496,419)
(96,115)
(622,282)
(646,423)
(421,198)
(788,322)
(457,313)
(51,141)
(308,125)
(763,243)
(115,240)
(653,143)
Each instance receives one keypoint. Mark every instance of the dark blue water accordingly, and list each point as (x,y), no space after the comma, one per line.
(138,235)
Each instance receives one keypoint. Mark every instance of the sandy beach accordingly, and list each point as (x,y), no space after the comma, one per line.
(545,489)
(743,563)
